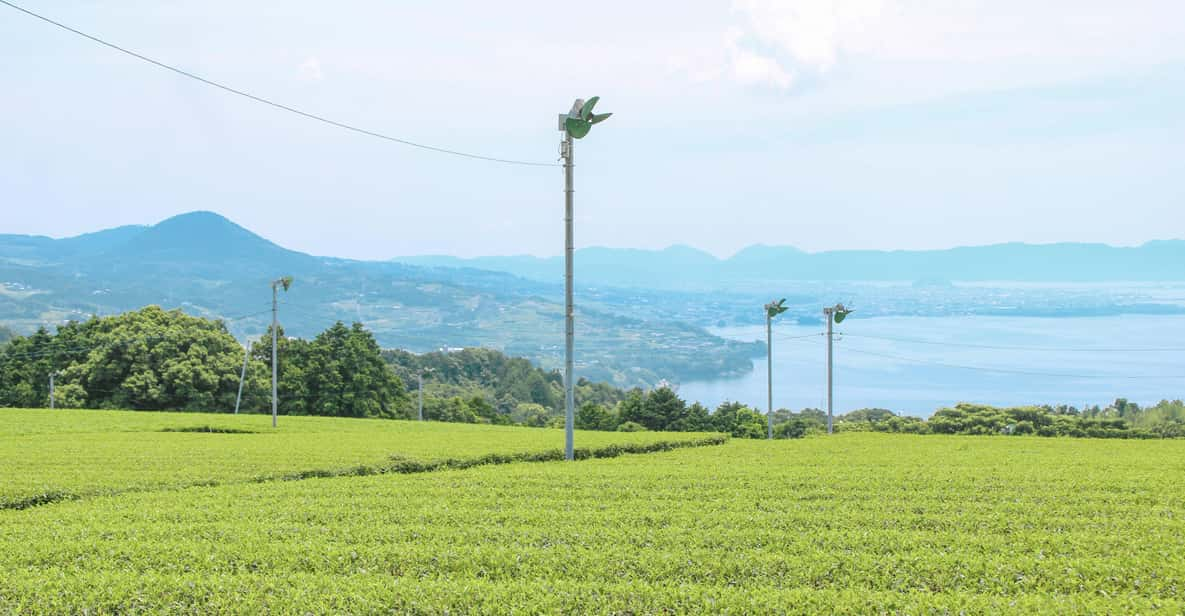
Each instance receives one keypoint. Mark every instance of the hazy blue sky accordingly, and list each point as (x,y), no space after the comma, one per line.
(817,123)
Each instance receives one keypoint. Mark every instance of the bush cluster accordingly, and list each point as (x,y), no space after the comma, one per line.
(1121,419)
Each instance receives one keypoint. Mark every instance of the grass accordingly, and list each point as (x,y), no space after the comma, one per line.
(853,523)
(48,456)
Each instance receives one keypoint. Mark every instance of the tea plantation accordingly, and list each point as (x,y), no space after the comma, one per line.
(47,455)
(854,523)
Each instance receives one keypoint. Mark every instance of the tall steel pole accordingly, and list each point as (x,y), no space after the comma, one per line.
(575,124)
(242,376)
(51,391)
(420,380)
(275,405)
(827,313)
(769,374)
(569,311)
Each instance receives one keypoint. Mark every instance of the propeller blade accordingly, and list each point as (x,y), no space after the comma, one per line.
(586,109)
(577,127)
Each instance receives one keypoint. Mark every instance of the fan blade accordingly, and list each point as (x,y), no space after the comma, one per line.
(586,109)
(576,127)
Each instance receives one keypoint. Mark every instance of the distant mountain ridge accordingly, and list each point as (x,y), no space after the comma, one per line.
(682,267)
(194,235)
(209,266)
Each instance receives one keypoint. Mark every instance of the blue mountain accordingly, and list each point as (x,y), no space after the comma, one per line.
(682,268)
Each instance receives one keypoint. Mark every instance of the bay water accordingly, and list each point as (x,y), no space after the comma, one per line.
(915,365)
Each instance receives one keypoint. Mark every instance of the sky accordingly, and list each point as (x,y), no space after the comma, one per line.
(822,124)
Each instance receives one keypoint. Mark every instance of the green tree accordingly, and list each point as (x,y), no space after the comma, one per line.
(738,420)
(872,415)
(631,426)
(660,409)
(531,414)
(340,372)
(146,359)
(794,428)
(453,409)
(695,418)
(593,416)
(633,408)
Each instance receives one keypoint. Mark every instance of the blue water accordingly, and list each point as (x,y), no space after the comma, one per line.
(913,382)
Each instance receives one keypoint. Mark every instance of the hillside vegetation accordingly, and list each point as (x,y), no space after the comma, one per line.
(856,523)
(154,359)
(1120,419)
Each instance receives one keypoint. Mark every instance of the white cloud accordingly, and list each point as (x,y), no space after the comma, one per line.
(775,42)
(754,69)
(310,70)
(993,43)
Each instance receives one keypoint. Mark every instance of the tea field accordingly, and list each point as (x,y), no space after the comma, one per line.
(55,455)
(854,523)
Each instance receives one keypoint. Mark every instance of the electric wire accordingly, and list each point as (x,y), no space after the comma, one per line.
(240,317)
(75,349)
(802,337)
(78,349)
(272,103)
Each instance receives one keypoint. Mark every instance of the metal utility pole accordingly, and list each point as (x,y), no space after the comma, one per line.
(420,390)
(575,124)
(51,390)
(833,314)
(569,308)
(284,282)
(772,310)
(827,314)
(243,374)
(275,404)
(769,374)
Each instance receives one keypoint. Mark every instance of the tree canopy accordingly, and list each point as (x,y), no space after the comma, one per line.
(338,373)
(168,360)
(147,359)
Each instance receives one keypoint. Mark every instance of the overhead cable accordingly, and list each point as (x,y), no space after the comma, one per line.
(272,103)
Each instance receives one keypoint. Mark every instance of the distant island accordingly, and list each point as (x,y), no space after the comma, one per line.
(686,268)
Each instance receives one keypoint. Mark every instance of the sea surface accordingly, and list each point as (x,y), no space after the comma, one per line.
(916,365)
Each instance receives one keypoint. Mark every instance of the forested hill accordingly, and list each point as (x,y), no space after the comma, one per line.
(681,267)
(168,360)
(209,266)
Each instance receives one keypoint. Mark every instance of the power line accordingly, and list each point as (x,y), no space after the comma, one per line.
(235,318)
(245,316)
(1018,372)
(79,349)
(804,336)
(1003,347)
(281,106)
(110,343)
